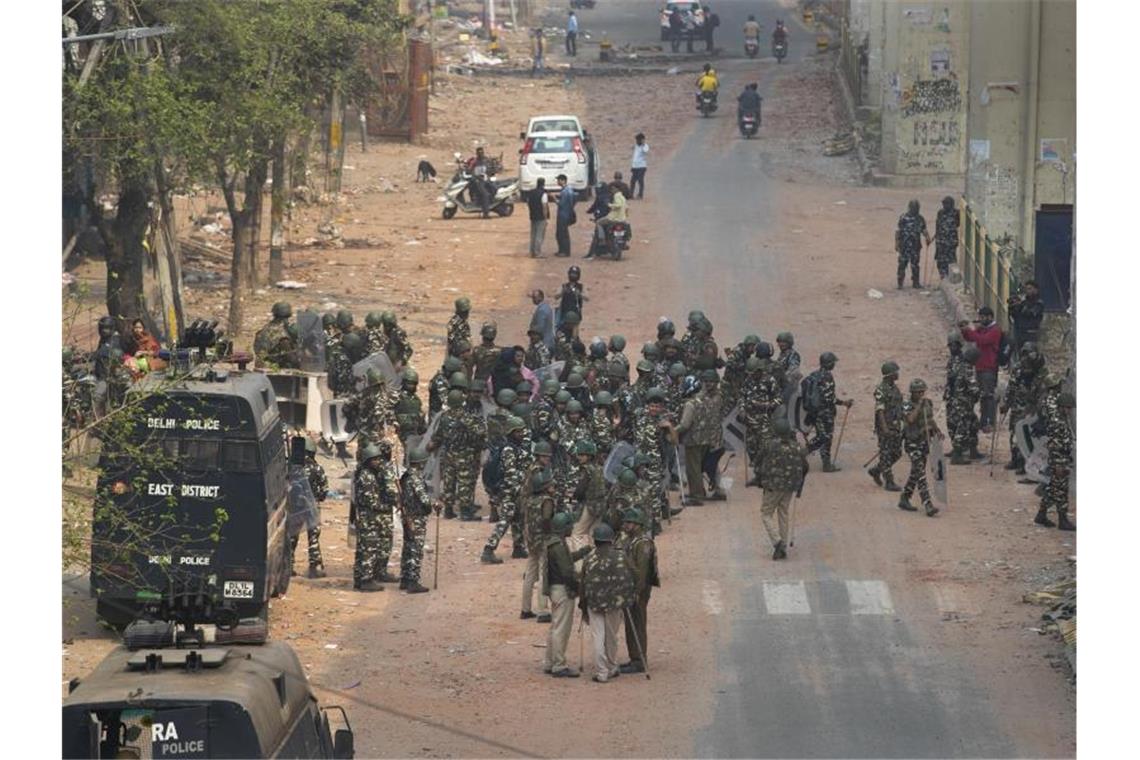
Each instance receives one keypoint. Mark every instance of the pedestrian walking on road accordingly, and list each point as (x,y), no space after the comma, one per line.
(607,589)
(987,336)
(565,217)
(572,35)
(538,204)
(781,473)
(539,49)
(712,21)
(638,164)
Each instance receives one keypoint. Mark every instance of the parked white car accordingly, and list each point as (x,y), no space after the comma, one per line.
(554,145)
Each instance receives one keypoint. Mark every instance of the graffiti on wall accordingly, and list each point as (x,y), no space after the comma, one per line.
(937,132)
(931,96)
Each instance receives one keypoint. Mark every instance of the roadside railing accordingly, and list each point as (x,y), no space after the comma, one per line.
(987,268)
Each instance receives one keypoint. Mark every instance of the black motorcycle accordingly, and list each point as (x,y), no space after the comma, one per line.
(780,50)
(706,103)
(616,240)
(749,125)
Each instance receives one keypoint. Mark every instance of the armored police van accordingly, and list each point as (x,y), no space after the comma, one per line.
(190,508)
(205,701)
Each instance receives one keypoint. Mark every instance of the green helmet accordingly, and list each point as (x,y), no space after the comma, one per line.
(575,381)
(541,480)
(352,343)
(506,397)
(520,410)
(617,371)
(571,318)
(388,318)
(462,305)
(562,397)
(543,449)
(310,446)
(489,330)
(754,363)
(709,376)
(371,451)
(573,406)
(523,389)
(411,377)
(459,380)
(452,364)
(695,316)
(751,340)
(373,377)
(971,354)
(418,455)
(641,458)
(455,398)
(785,337)
(827,360)
(550,387)
(651,351)
(617,343)
(655,394)
(604,398)
(1052,379)
(562,523)
(1066,400)
(890,368)
(764,350)
(328,319)
(514,423)
(634,515)
(645,366)
(586,447)
(461,347)
(917,384)
(282,310)
(372,319)
(627,478)
(954,337)
(781,426)
(677,370)
(603,534)
(344,319)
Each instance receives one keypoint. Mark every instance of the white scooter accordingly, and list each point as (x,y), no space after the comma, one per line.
(455,199)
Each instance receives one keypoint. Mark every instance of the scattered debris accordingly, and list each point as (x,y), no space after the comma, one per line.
(876,294)
(290,285)
(1061,617)
(839,145)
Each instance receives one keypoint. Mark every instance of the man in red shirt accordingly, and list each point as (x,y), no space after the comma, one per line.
(986,335)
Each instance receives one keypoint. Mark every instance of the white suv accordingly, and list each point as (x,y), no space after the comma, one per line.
(554,145)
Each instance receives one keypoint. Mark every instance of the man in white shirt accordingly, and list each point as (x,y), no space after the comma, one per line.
(638,166)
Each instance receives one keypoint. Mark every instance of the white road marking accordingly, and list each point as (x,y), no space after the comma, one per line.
(786,598)
(869,598)
(710,595)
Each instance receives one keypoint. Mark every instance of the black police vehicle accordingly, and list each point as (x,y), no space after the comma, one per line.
(201,700)
(190,510)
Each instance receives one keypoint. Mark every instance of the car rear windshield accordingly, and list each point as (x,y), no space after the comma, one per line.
(554,125)
(553,145)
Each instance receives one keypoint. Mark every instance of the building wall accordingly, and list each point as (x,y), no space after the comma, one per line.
(923,87)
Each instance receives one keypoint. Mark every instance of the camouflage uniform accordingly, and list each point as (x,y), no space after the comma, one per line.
(537,356)
(516,458)
(641,555)
(319,485)
(1017,403)
(621,498)
(789,361)
(962,395)
(399,350)
(563,347)
(784,465)
(274,347)
(339,366)
(566,477)
(537,509)
(543,420)
(409,414)
(460,463)
(601,430)
(918,449)
(607,588)
(889,400)
(569,433)
(908,243)
(946,239)
(437,392)
(458,328)
(485,355)
(649,438)
(417,510)
(1060,435)
(374,495)
(590,501)
(823,419)
(760,396)
(474,438)
(622,359)
(371,412)
(734,375)
(375,340)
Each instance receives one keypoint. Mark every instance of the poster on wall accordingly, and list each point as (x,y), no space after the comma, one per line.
(917,16)
(940,63)
(1052,150)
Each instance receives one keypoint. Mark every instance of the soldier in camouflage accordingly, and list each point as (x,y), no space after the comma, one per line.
(409,410)
(496,439)
(1055,409)
(399,349)
(696,430)
(275,346)
(617,349)
(961,396)
(783,470)
(441,384)
(565,336)
(537,354)
(690,341)
(543,417)
(888,427)
(458,328)
(918,426)
(319,485)
(602,423)
(375,341)
(1017,402)
(626,494)
(908,243)
(760,397)
(448,436)
(789,358)
(823,420)
(416,508)
(734,369)
(486,353)
(561,584)
(946,236)
(371,409)
(375,494)
(652,426)
(537,512)
(515,458)
(641,555)
(589,494)
(342,354)
(607,589)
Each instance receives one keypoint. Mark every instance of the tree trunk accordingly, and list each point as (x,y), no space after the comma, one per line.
(277,211)
(125,252)
(239,270)
(253,202)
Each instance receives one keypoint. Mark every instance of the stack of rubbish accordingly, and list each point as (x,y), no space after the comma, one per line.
(1061,617)
(840,144)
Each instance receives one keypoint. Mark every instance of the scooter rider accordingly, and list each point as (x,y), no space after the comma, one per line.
(481,189)
(748,102)
(707,82)
(779,34)
(616,212)
(752,29)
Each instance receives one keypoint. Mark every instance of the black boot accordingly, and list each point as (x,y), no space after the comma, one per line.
(1063,520)
(317,571)
(828,466)
(519,552)
(416,588)
(974,453)
(874,473)
(901,277)
(904,504)
(779,552)
(494,516)
(1043,518)
(957,457)
(889,478)
(931,510)
(489,557)
(448,513)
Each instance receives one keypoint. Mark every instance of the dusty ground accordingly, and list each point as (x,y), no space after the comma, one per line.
(454,672)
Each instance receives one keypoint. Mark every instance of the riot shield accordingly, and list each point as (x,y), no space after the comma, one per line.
(614,466)
(734,431)
(489,407)
(380,362)
(311,336)
(936,470)
(797,416)
(432,475)
(551,371)
(334,423)
(1034,449)
(302,511)
(792,386)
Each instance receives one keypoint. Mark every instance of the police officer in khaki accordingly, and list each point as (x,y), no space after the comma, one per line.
(607,588)
(782,471)
(561,585)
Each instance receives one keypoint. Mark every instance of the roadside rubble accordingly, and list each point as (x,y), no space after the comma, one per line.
(1061,617)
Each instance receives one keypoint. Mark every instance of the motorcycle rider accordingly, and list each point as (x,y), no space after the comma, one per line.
(752,29)
(615,212)
(707,82)
(779,35)
(478,166)
(748,102)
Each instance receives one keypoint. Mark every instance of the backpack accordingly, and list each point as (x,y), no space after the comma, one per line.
(810,393)
(1005,351)
(493,470)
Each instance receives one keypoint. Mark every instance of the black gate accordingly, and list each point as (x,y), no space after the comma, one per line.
(1053,252)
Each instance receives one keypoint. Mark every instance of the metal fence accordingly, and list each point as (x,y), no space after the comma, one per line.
(987,268)
(849,63)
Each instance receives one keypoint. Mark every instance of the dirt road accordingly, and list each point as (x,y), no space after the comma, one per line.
(884,634)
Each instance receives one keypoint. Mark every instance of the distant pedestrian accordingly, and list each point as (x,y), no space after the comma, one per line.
(565,216)
(712,21)
(537,203)
(543,318)
(638,165)
(986,335)
(572,35)
(1025,313)
(539,49)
